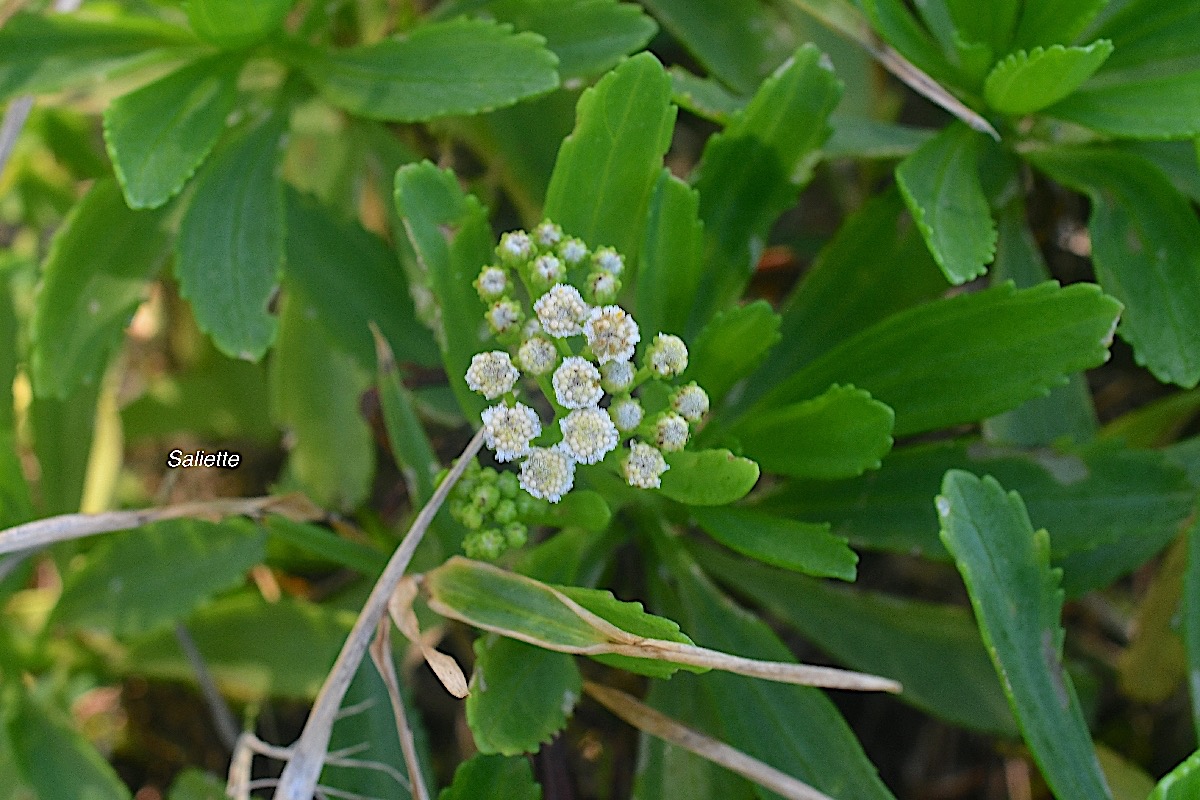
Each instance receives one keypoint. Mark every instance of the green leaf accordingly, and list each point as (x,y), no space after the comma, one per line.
(613,157)
(520,695)
(158,574)
(704,97)
(753,171)
(940,184)
(1007,344)
(806,547)
(896,24)
(1146,251)
(708,477)
(233,23)
(450,232)
(55,759)
(668,277)
(493,776)
(1153,37)
(1018,602)
(45,53)
(16,505)
(1028,81)
(352,278)
(62,440)
(158,135)
(732,345)
(934,650)
(327,545)
(94,277)
(195,784)
(1153,107)
(855,137)
(230,249)
(581,508)
(1180,783)
(991,24)
(462,66)
(410,444)
(588,36)
(631,617)
(1048,22)
(315,391)
(839,434)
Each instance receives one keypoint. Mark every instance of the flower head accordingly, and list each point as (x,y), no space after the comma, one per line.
(691,401)
(577,383)
(616,376)
(492,374)
(671,431)
(611,333)
(572,251)
(508,431)
(548,234)
(515,246)
(491,284)
(547,473)
(504,316)
(602,287)
(588,435)
(548,269)
(667,355)
(609,260)
(626,414)
(644,466)
(561,311)
(538,355)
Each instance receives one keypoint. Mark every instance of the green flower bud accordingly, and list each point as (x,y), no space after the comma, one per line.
(516,534)
(508,484)
(487,545)
(505,512)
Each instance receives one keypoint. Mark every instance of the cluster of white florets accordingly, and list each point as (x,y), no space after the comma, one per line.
(580,348)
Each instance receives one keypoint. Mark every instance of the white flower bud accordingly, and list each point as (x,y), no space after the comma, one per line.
(561,311)
(626,414)
(538,355)
(588,435)
(667,355)
(609,260)
(548,234)
(577,383)
(671,432)
(491,284)
(611,333)
(617,376)
(691,401)
(508,431)
(644,466)
(492,374)
(515,246)
(547,473)
(602,287)
(504,316)
(572,251)
(548,269)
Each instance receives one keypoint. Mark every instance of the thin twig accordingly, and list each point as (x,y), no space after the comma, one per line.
(381,654)
(299,776)
(222,715)
(645,718)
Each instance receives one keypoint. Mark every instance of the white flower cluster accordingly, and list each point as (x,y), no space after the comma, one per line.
(579,347)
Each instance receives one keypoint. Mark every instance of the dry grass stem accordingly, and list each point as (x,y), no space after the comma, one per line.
(381,654)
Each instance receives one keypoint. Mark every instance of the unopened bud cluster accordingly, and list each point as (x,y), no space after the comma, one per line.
(490,506)
(551,304)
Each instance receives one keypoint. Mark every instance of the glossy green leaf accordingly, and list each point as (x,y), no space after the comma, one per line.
(158,574)
(1180,783)
(233,23)
(159,134)
(1155,106)
(1146,250)
(732,345)
(229,253)
(1049,22)
(1018,603)
(940,184)
(328,545)
(806,547)
(462,66)
(352,279)
(839,434)
(1007,344)
(631,617)
(432,205)
(581,508)
(315,391)
(613,157)
(704,97)
(521,695)
(588,36)
(45,53)
(490,775)
(934,650)
(96,274)
(708,477)
(668,277)
(1028,81)
(753,171)
(55,759)
(195,784)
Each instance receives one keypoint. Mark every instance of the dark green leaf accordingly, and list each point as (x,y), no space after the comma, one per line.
(668,276)
(1028,81)
(933,650)
(1018,603)
(234,23)
(194,784)
(230,248)
(45,53)
(15,504)
(62,441)
(520,696)
(315,390)
(328,545)
(94,277)
(940,184)
(732,345)
(1007,344)
(588,36)
(631,617)
(991,24)
(607,167)
(1153,107)
(450,233)
(1160,36)
(893,20)
(704,97)
(493,776)
(708,477)
(158,135)
(1177,160)
(1048,22)
(1180,783)
(220,397)
(1146,250)
(462,66)
(855,137)
(752,171)
(806,547)
(410,444)
(839,434)
(352,278)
